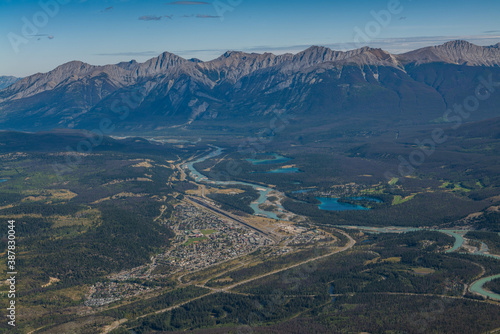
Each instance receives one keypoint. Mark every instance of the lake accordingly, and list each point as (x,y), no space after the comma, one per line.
(277,159)
(284,170)
(2,180)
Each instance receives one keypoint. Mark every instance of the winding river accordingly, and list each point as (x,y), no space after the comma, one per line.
(263,191)
(476,287)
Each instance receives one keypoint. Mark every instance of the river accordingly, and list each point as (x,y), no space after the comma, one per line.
(477,287)
(263,191)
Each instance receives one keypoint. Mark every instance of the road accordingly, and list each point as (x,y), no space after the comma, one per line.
(227,215)
(227,289)
(349,245)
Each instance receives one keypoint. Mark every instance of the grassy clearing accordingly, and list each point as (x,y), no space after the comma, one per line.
(393,181)
(379,260)
(193,240)
(399,199)
(82,218)
(423,271)
(208,232)
(454,186)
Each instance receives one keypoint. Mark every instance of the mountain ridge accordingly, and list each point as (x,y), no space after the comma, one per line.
(7,80)
(125,73)
(176,91)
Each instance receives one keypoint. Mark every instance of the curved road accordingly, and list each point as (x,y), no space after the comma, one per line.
(227,289)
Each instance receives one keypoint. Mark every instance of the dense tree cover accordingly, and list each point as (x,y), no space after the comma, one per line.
(80,239)
(489,221)
(493,286)
(183,186)
(491,239)
(440,208)
(382,313)
(388,265)
(76,240)
(490,264)
(9,198)
(294,326)
(226,309)
(370,291)
(151,305)
(238,202)
(32,226)
(44,209)
(124,238)
(372,313)
(268,265)
(379,313)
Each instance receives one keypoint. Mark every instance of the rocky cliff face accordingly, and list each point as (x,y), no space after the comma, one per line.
(6,81)
(174,91)
(456,52)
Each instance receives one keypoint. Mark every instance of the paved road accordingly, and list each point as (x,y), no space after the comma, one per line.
(227,215)
(349,245)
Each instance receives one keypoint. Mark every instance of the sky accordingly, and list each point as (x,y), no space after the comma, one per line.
(37,36)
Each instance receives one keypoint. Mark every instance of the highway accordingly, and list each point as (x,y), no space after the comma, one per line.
(227,215)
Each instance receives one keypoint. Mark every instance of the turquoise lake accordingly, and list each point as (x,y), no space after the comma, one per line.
(284,170)
(277,159)
(332,204)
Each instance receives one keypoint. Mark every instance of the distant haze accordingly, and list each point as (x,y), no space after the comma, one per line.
(37,38)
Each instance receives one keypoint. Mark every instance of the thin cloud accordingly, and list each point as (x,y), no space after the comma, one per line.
(393,45)
(188,3)
(150,18)
(202,16)
(131,54)
(107,9)
(42,35)
(491,31)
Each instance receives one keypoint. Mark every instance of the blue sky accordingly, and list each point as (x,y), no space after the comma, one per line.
(37,38)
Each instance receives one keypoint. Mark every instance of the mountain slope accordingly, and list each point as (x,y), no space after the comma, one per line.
(6,81)
(456,52)
(168,90)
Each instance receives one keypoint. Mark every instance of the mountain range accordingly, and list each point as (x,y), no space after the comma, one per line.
(316,86)
(6,81)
